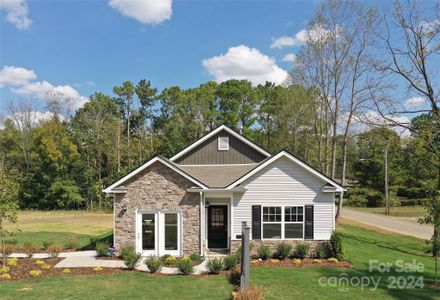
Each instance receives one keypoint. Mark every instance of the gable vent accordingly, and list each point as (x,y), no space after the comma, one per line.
(223,143)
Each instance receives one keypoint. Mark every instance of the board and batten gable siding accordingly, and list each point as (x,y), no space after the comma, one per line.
(207,153)
(284,183)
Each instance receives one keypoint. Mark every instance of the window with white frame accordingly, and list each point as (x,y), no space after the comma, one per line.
(223,143)
(293,222)
(283,222)
(272,222)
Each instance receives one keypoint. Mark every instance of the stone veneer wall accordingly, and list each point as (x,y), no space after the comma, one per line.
(273,244)
(157,188)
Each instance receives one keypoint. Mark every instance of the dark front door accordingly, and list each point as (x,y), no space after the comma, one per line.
(218,226)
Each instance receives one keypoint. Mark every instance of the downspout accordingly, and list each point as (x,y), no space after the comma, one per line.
(202,229)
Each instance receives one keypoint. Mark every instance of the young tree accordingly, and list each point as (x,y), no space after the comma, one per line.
(8,205)
(147,97)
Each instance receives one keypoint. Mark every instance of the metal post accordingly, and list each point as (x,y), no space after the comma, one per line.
(387,203)
(245,276)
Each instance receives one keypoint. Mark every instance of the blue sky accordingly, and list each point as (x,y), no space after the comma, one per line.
(92,46)
(75,48)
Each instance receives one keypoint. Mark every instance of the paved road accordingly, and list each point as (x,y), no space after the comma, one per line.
(401,225)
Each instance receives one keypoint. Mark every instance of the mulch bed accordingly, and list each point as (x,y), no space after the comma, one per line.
(109,258)
(25,265)
(305,263)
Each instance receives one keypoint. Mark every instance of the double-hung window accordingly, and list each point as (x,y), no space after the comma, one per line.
(272,222)
(283,222)
(293,222)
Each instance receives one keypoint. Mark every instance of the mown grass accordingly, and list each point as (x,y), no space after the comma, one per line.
(361,245)
(399,211)
(59,227)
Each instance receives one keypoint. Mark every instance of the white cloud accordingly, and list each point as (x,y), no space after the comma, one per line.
(10,75)
(429,26)
(32,118)
(289,57)
(144,11)
(16,13)
(22,81)
(242,62)
(414,102)
(371,119)
(314,33)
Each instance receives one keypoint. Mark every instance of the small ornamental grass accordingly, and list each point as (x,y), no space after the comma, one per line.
(102,248)
(284,250)
(230,262)
(153,263)
(255,262)
(264,252)
(5,276)
(45,267)
(320,251)
(30,248)
(72,242)
(67,271)
(296,261)
(35,273)
(333,260)
(197,257)
(215,265)
(170,260)
(11,262)
(98,269)
(4,270)
(274,261)
(185,266)
(317,261)
(302,250)
(251,293)
(130,257)
(54,250)
(39,262)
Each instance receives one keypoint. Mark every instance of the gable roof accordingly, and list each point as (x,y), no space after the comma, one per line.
(310,169)
(213,133)
(113,188)
(218,176)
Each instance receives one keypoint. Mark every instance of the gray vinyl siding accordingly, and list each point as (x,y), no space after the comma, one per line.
(207,153)
(284,183)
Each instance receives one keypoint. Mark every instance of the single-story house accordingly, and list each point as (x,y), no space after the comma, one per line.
(197,200)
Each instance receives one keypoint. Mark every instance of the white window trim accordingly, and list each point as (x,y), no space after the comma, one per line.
(226,141)
(283,222)
(159,219)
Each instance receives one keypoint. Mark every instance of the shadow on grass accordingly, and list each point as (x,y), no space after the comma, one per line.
(108,238)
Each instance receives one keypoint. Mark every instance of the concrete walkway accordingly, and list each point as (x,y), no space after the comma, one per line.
(400,225)
(91,261)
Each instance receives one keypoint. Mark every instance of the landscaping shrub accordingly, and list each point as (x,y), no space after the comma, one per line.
(296,261)
(302,250)
(234,277)
(72,243)
(336,245)
(39,262)
(274,261)
(230,262)
(102,248)
(98,269)
(67,271)
(170,260)
(11,262)
(54,250)
(5,276)
(4,270)
(153,263)
(320,251)
(35,273)
(197,257)
(30,248)
(215,265)
(317,261)
(251,293)
(130,257)
(8,249)
(45,267)
(185,266)
(264,252)
(284,250)
(332,260)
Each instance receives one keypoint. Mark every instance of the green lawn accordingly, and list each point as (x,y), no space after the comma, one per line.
(360,245)
(400,211)
(59,226)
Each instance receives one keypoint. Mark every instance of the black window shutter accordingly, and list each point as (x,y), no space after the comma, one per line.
(256,222)
(308,235)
